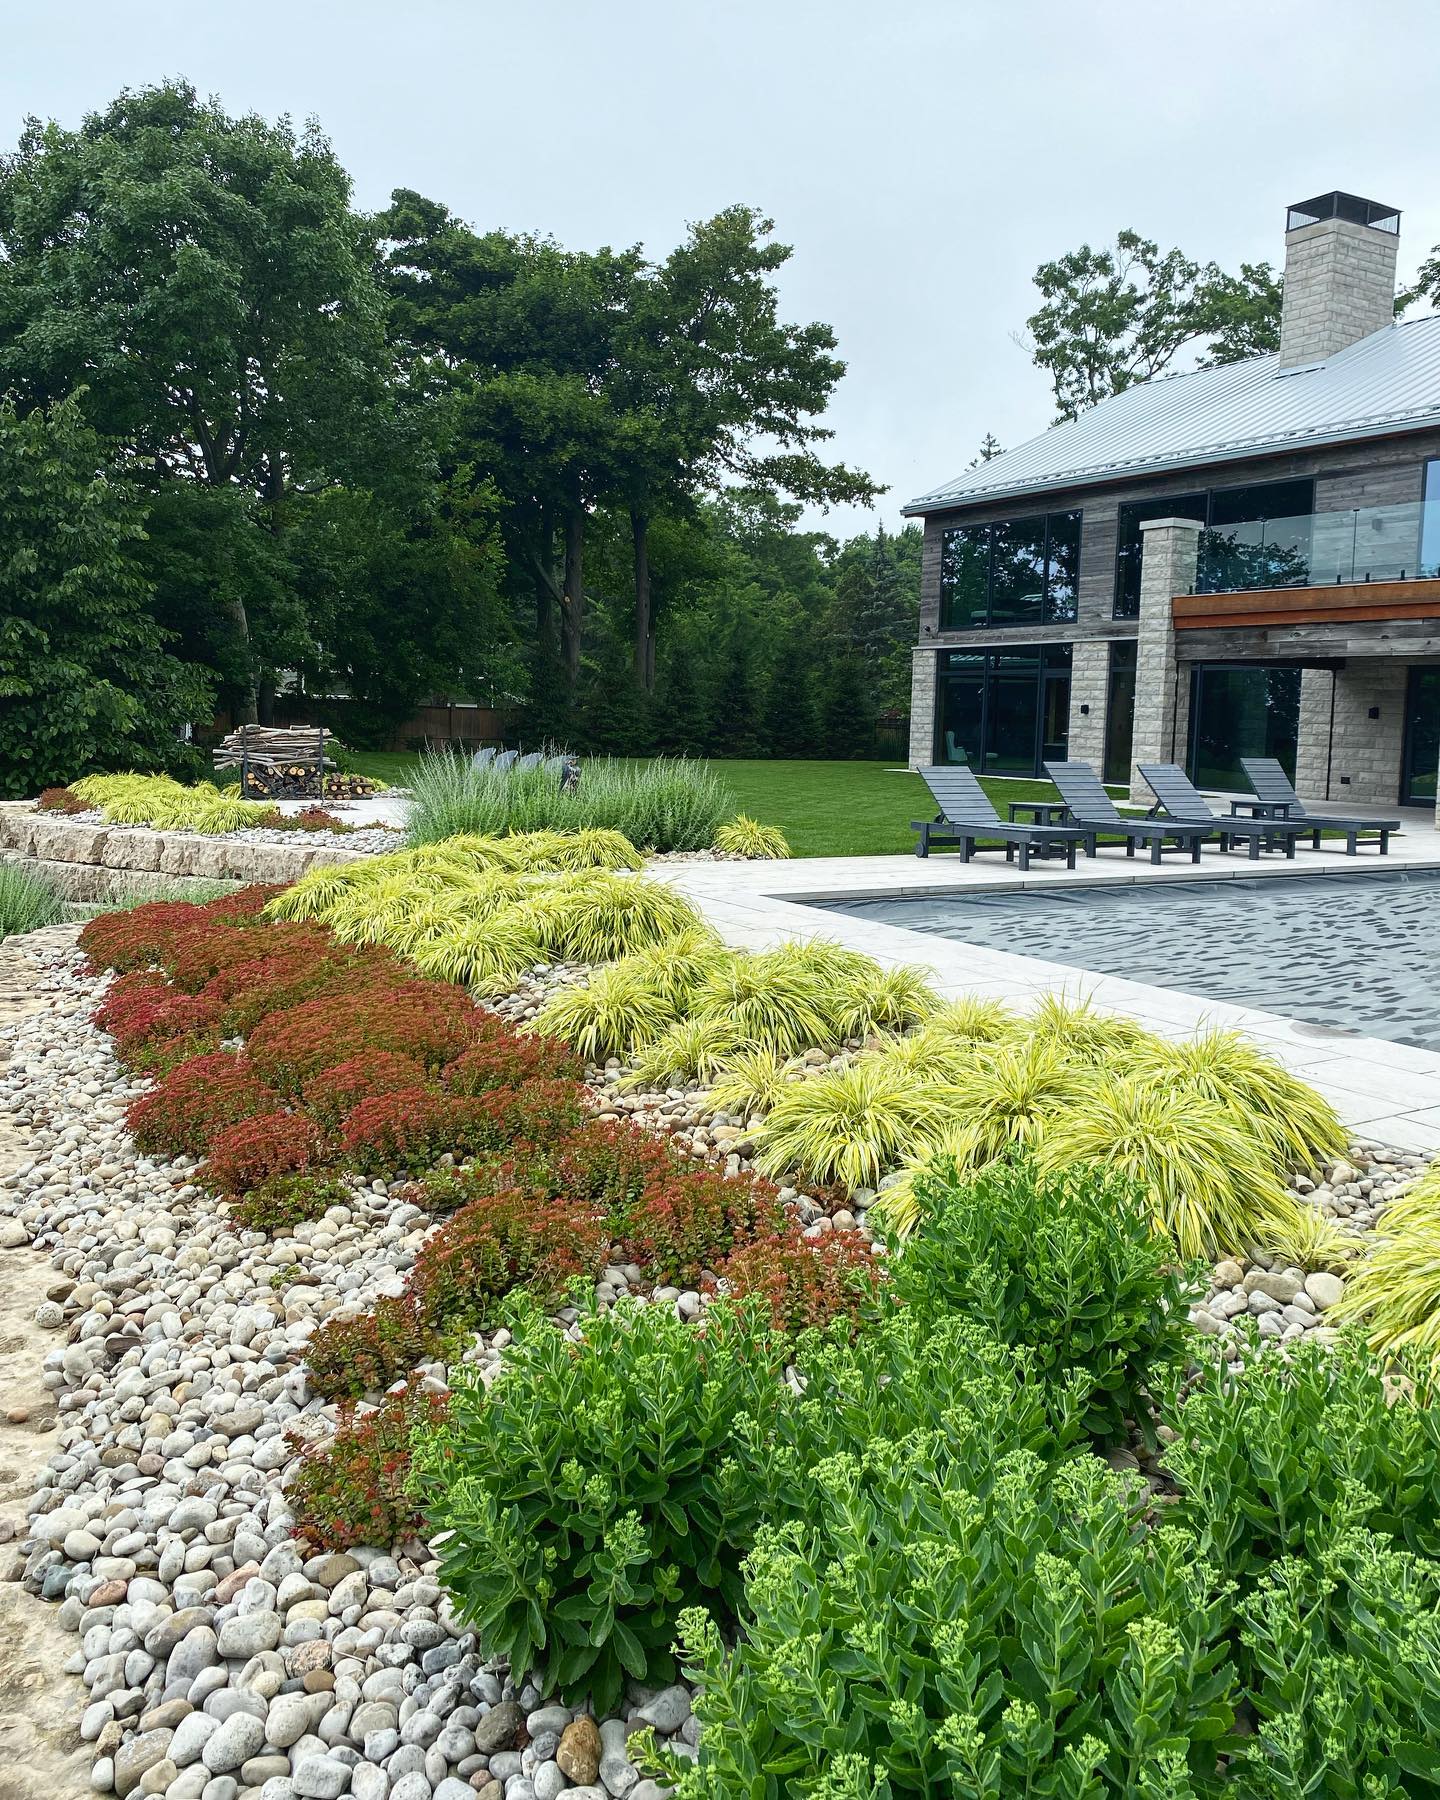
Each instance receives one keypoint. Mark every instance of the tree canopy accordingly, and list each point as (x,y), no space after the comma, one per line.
(1115,316)
(373,460)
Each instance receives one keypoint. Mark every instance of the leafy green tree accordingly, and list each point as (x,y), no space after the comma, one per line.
(86,681)
(1114,317)
(204,278)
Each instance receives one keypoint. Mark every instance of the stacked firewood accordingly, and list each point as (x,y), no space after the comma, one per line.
(288,763)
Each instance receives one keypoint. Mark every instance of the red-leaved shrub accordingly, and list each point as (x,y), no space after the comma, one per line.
(611,1164)
(505,1059)
(430,1021)
(335,1092)
(412,1128)
(274,977)
(367,1351)
(806,1281)
(60,800)
(352,1490)
(195,1101)
(143,1008)
(687,1225)
(265,1144)
(501,1242)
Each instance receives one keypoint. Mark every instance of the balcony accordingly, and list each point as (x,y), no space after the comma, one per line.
(1371,563)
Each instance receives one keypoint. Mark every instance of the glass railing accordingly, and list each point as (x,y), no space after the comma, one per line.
(1368,543)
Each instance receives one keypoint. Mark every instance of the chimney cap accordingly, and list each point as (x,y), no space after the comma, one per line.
(1338,205)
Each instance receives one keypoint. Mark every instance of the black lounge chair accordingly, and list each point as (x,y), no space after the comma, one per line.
(1093,811)
(1273,786)
(966,816)
(1175,794)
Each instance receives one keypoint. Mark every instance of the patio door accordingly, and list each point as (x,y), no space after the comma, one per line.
(1422,737)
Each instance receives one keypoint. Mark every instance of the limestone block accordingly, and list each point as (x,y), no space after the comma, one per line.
(250,862)
(188,853)
(132,850)
(62,840)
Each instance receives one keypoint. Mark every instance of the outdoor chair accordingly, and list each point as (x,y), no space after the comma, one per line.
(1274,789)
(1093,811)
(505,761)
(966,816)
(1176,795)
(483,758)
(532,760)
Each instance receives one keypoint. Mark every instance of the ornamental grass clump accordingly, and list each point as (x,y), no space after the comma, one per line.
(1011,1097)
(1263,1097)
(1210,1185)
(1394,1293)
(27,901)
(692,1050)
(771,999)
(617,1009)
(877,999)
(165,804)
(597,1487)
(744,836)
(750,1081)
(1065,1266)
(849,1124)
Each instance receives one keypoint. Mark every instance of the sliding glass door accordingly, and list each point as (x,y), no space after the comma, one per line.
(1241,709)
(1003,712)
(1422,737)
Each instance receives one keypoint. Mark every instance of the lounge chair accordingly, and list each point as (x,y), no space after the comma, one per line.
(1273,786)
(505,761)
(483,758)
(532,760)
(1176,795)
(966,816)
(1092,810)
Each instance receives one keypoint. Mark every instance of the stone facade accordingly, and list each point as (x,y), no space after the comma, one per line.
(923,667)
(1339,287)
(1344,754)
(1089,688)
(1162,693)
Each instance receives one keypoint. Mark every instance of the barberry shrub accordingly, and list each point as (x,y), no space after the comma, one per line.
(499,1243)
(265,1144)
(430,1021)
(353,1489)
(273,977)
(363,1353)
(195,1101)
(599,1485)
(333,1094)
(686,1224)
(806,1282)
(142,1009)
(507,1060)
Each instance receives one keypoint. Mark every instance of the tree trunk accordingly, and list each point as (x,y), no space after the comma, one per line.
(644,625)
(247,704)
(265,699)
(572,609)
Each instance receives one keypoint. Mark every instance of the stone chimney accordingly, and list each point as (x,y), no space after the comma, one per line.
(1339,275)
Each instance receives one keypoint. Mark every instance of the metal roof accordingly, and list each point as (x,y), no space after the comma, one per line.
(1388,382)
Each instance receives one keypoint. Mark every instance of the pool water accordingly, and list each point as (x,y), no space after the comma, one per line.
(1352,953)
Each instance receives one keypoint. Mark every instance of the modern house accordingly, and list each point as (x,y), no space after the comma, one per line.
(1237,561)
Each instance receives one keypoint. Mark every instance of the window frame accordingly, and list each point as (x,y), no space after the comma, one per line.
(1047,613)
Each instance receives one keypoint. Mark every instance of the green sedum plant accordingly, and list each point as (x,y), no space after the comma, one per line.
(1064,1265)
(946,1623)
(1274,1458)
(598,1487)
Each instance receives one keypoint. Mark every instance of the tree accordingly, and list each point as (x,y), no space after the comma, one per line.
(990,448)
(205,280)
(86,680)
(1113,317)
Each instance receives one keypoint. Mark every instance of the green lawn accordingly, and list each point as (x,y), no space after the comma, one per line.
(824,808)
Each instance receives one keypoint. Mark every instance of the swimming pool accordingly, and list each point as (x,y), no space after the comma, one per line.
(1357,953)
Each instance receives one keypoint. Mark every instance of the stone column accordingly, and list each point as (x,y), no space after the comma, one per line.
(1089,686)
(1312,750)
(923,663)
(1162,687)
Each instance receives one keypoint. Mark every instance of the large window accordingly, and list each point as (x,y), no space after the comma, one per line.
(1430,521)
(1241,709)
(1004,712)
(1120,711)
(1016,572)
(1267,519)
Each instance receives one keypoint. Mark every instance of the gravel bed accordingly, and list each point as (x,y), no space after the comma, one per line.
(370,839)
(223,1660)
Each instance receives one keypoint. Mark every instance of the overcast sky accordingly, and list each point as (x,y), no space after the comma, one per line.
(922,156)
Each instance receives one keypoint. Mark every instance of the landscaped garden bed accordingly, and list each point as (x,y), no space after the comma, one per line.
(427,1378)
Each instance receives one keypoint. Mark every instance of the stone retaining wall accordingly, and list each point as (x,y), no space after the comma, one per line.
(100,862)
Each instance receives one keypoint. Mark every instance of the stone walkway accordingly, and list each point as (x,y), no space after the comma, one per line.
(41,1754)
